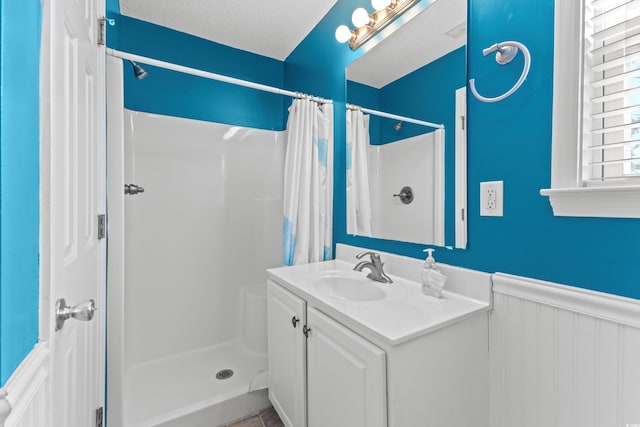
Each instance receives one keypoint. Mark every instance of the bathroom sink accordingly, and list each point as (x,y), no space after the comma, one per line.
(353,286)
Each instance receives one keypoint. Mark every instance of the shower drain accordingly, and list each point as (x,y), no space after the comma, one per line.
(224,374)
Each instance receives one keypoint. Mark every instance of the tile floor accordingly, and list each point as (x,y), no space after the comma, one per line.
(266,418)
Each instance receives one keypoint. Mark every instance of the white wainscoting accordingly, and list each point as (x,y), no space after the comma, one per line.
(26,393)
(563,356)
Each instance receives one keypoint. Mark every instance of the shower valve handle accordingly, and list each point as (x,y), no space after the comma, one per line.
(133,189)
(406,195)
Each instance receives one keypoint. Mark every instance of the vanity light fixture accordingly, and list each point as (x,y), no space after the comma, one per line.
(368,25)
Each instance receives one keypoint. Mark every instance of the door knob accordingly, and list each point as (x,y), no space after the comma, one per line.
(83,311)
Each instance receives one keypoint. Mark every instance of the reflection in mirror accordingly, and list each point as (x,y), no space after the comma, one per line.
(402,127)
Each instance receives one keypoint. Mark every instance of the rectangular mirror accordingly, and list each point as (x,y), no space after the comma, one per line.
(405,130)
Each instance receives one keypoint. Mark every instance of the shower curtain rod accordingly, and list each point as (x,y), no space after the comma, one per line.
(213,76)
(395,117)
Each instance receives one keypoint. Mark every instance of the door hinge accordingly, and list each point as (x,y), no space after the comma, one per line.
(102,226)
(99,416)
(462,216)
(462,119)
(489,321)
(102,31)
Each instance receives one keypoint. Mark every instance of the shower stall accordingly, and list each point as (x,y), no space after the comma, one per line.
(186,282)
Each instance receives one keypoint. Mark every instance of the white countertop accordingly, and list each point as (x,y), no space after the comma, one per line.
(406,314)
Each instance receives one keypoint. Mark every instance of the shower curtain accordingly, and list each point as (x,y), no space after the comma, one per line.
(308,183)
(358,194)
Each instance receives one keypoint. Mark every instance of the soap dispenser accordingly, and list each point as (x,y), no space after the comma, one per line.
(432,280)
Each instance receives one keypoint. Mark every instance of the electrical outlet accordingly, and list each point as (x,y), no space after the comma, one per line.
(491,198)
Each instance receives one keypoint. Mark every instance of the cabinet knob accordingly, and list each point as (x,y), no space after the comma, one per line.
(306,330)
(294,321)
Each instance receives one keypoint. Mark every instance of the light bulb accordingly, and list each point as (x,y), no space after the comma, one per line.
(360,17)
(343,34)
(380,4)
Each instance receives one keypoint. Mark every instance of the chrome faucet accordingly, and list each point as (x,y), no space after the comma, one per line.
(375,265)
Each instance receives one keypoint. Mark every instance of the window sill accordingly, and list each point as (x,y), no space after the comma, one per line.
(605,202)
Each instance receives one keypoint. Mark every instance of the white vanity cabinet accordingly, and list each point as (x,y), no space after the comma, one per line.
(401,360)
(345,374)
(287,355)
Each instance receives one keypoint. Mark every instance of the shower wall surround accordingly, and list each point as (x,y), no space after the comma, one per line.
(407,162)
(207,225)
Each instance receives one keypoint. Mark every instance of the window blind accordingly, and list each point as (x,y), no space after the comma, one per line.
(611,110)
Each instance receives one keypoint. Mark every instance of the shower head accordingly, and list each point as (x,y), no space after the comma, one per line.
(398,126)
(138,71)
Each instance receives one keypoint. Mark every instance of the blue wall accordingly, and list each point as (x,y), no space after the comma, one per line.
(509,141)
(113,8)
(19,180)
(428,93)
(182,95)
(369,97)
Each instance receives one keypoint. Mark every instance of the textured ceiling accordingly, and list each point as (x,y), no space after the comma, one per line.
(271,28)
(413,45)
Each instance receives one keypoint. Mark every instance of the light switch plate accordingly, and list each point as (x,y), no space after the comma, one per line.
(491,198)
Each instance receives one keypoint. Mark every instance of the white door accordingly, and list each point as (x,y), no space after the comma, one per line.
(286,342)
(346,376)
(74,196)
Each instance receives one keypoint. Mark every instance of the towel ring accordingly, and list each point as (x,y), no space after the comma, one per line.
(506,51)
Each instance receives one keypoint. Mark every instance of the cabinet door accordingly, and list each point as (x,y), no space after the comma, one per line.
(346,376)
(287,355)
